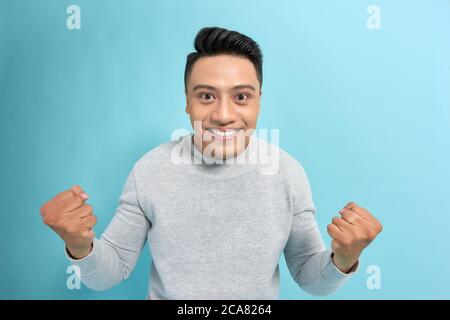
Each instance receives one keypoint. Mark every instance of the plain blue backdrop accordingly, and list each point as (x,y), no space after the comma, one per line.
(367,113)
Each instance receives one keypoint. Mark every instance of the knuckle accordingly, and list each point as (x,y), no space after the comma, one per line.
(71,229)
(48,220)
(56,222)
(380,227)
(346,242)
(51,220)
(329,228)
(362,236)
(43,209)
(372,235)
(366,235)
(87,234)
(83,234)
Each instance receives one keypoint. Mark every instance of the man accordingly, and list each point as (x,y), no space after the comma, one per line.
(215,223)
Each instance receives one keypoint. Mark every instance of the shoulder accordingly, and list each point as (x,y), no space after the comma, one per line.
(285,164)
(156,158)
(292,171)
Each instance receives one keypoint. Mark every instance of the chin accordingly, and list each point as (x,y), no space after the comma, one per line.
(228,152)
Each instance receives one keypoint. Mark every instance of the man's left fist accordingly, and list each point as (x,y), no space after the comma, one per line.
(351,233)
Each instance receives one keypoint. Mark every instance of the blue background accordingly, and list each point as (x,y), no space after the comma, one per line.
(367,113)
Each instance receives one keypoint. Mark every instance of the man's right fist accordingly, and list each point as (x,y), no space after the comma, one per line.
(72,220)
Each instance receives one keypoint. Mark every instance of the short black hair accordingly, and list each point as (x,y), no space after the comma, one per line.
(212,41)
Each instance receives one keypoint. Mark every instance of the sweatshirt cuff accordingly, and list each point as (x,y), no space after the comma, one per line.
(333,275)
(91,262)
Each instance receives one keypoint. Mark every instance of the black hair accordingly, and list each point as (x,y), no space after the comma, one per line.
(212,41)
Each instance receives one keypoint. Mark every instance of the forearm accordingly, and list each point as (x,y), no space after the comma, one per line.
(344,264)
(115,254)
(319,276)
(102,268)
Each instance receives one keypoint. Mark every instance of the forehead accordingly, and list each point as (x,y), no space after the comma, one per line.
(223,71)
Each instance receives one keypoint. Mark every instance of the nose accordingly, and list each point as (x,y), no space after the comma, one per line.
(224,113)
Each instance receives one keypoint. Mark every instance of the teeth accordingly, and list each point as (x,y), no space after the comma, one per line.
(227,133)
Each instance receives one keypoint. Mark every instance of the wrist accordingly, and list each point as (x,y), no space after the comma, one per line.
(344,264)
(78,253)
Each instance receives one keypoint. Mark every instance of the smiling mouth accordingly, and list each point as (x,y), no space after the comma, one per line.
(227,134)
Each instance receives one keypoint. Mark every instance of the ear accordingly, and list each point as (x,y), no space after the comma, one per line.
(259,105)
(187,104)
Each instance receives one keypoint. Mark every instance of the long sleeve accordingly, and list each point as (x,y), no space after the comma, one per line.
(307,258)
(114,255)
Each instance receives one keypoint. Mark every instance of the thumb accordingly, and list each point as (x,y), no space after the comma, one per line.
(79,191)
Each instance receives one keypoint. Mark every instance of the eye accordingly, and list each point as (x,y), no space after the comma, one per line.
(206,97)
(242,97)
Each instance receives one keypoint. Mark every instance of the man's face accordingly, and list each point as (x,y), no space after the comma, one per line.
(222,100)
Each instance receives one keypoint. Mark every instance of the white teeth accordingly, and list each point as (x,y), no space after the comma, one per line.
(227,133)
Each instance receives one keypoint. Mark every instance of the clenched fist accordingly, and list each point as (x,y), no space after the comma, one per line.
(72,219)
(351,233)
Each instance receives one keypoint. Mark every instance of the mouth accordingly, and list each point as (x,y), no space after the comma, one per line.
(224,134)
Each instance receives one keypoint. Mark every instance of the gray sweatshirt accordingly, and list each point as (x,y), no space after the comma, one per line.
(214,230)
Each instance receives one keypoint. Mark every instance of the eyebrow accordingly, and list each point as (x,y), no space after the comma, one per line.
(238,87)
